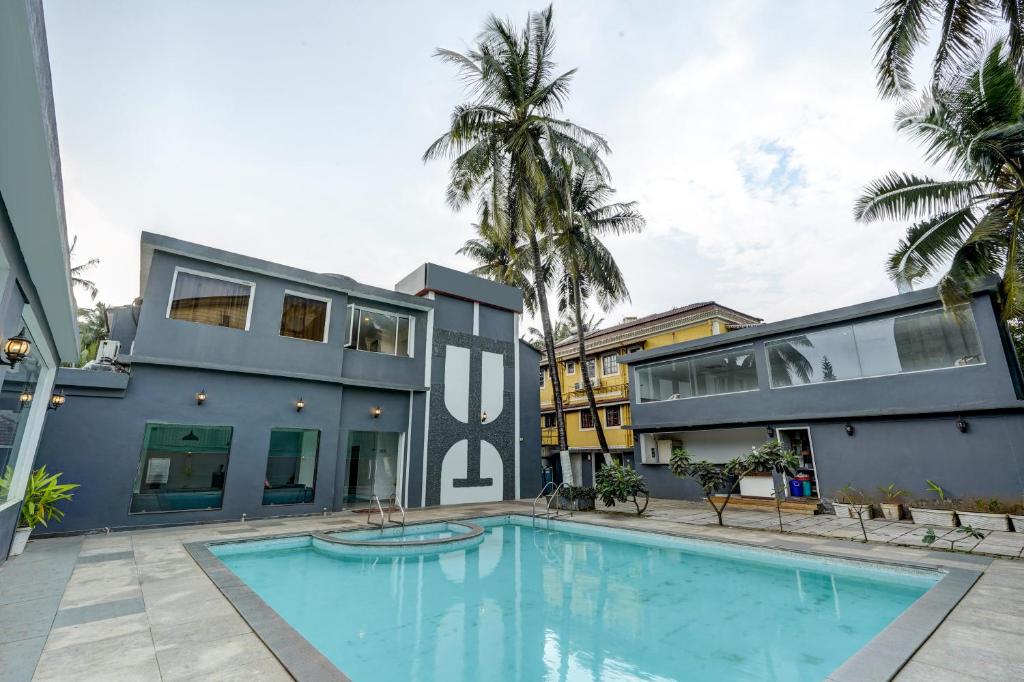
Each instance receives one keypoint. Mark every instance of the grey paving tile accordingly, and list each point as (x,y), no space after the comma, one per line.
(129,657)
(192,661)
(105,556)
(18,659)
(95,631)
(27,619)
(916,671)
(101,611)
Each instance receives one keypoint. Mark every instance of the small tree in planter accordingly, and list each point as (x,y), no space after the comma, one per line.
(984,514)
(892,506)
(937,512)
(856,504)
(41,494)
(616,483)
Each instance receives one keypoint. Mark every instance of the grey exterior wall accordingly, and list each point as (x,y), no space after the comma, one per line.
(904,425)
(530,464)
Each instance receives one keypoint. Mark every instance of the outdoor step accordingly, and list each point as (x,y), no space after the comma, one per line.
(766,504)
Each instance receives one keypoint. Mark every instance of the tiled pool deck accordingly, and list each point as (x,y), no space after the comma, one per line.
(136,605)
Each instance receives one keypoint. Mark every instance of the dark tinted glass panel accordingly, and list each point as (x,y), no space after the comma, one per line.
(182,467)
(291,466)
(303,318)
(208,300)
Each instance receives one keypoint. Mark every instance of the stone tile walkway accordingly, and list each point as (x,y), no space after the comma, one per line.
(135,605)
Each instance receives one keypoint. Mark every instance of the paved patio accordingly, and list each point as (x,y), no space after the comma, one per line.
(135,605)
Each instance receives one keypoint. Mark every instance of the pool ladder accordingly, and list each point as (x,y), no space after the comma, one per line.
(548,514)
(385,520)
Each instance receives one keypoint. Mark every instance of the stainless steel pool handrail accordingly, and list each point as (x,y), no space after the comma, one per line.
(392,503)
(533,511)
(369,512)
(554,496)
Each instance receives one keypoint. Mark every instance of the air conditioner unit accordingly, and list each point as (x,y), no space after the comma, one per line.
(594,383)
(108,350)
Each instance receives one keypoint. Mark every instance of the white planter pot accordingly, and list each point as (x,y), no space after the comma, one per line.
(893,511)
(1018,522)
(984,521)
(757,486)
(20,540)
(933,517)
(843,511)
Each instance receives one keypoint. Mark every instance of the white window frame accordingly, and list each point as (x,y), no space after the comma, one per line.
(352,344)
(570,367)
(543,373)
(610,374)
(582,427)
(223,278)
(592,375)
(311,297)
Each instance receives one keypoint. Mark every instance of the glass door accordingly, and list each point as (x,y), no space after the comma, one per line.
(373,467)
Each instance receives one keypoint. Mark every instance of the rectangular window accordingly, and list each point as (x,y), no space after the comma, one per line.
(549,421)
(377,331)
(17,396)
(612,416)
(592,367)
(727,371)
(183,467)
(570,366)
(609,364)
(304,317)
(208,299)
(931,339)
(586,419)
(291,466)
(542,373)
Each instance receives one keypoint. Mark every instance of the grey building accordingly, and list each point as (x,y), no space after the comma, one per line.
(890,391)
(35,285)
(250,387)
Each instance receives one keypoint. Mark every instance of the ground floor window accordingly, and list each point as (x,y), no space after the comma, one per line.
(291,466)
(612,416)
(17,395)
(182,467)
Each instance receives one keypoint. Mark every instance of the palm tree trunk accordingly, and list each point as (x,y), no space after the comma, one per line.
(577,307)
(549,339)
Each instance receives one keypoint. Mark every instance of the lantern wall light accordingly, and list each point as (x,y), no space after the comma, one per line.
(16,349)
(299,404)
(961,425)
(57,400)
(376,411)
(201,397)
(848,427)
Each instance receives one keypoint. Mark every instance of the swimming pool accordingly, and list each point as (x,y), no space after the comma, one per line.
(576,602)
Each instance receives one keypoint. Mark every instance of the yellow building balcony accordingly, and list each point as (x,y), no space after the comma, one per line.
(577,395)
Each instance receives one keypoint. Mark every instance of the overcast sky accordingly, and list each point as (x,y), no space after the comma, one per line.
(293,131)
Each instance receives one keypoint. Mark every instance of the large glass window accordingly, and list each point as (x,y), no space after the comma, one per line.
(210,300)
(380,332)
(609,364)
(291,466)
(304,318)
(727,371)
(183,467)
(930,339)
(17,395)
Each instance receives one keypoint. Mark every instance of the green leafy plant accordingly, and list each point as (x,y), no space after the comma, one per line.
(954,536)
(578,495)
(941,500)
(892,494)
(42,493)
(617,483)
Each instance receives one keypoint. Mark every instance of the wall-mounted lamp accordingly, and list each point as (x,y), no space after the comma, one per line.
(961,425)
(848,427)
(483,417)
(25,397)
(56,400)
(201,397)
(299,404)
(16,349)
(376,411)
(771,433)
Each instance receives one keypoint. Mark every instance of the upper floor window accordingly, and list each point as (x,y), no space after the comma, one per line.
(549,420)
(726,371)
(378,331)
(930,339)
(542,373)
(210,299)
(305,317)
(609,364)
(570,366)
(613,416)
(586,419)
(591,367)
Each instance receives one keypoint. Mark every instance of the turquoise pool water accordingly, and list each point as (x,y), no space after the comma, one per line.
(425,531)
(576,603)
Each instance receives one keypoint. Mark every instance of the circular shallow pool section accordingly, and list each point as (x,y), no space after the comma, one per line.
(420,538)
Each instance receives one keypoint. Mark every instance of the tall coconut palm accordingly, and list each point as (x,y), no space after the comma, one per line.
(92,328)
(500,141)
(968,225)
(78,277)
(584,215)
(903,26)
(566,327)
(500,259)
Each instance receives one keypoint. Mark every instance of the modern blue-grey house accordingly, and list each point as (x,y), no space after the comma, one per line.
(245,387)
(36,303)
(895,390)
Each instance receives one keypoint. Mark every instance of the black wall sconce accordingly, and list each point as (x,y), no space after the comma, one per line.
(961,425)
(483,417)
(848,427)
(16,349)
(201,397)
(376,411)
(299,404)
(56,400)
(771,432)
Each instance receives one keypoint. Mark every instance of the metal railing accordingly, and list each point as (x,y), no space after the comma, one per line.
(392,503)
(369,512)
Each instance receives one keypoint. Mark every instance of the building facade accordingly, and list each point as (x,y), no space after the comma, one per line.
(610,380)
(252,388)
(36,302)
(889,391)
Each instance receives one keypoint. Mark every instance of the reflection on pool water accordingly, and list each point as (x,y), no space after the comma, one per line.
(412,533)
(577,603)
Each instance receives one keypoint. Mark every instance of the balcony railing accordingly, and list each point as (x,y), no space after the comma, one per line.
(603,393)
(616,437)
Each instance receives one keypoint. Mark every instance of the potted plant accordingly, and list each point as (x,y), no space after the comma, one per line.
(577,498)
(1016,513)
(616,483)
(984,515)
(852,503)
(892,504)
(41,494)
(937,512)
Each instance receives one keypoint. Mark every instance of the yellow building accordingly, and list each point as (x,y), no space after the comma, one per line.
(609,379)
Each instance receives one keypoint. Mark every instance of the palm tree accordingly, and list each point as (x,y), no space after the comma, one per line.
(499,144)
(78,272)
(970,224)
(498,259)
(584,215)
(903,26)
(565,328)
(92,328)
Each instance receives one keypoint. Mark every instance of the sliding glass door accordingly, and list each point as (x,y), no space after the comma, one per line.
(373,467)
